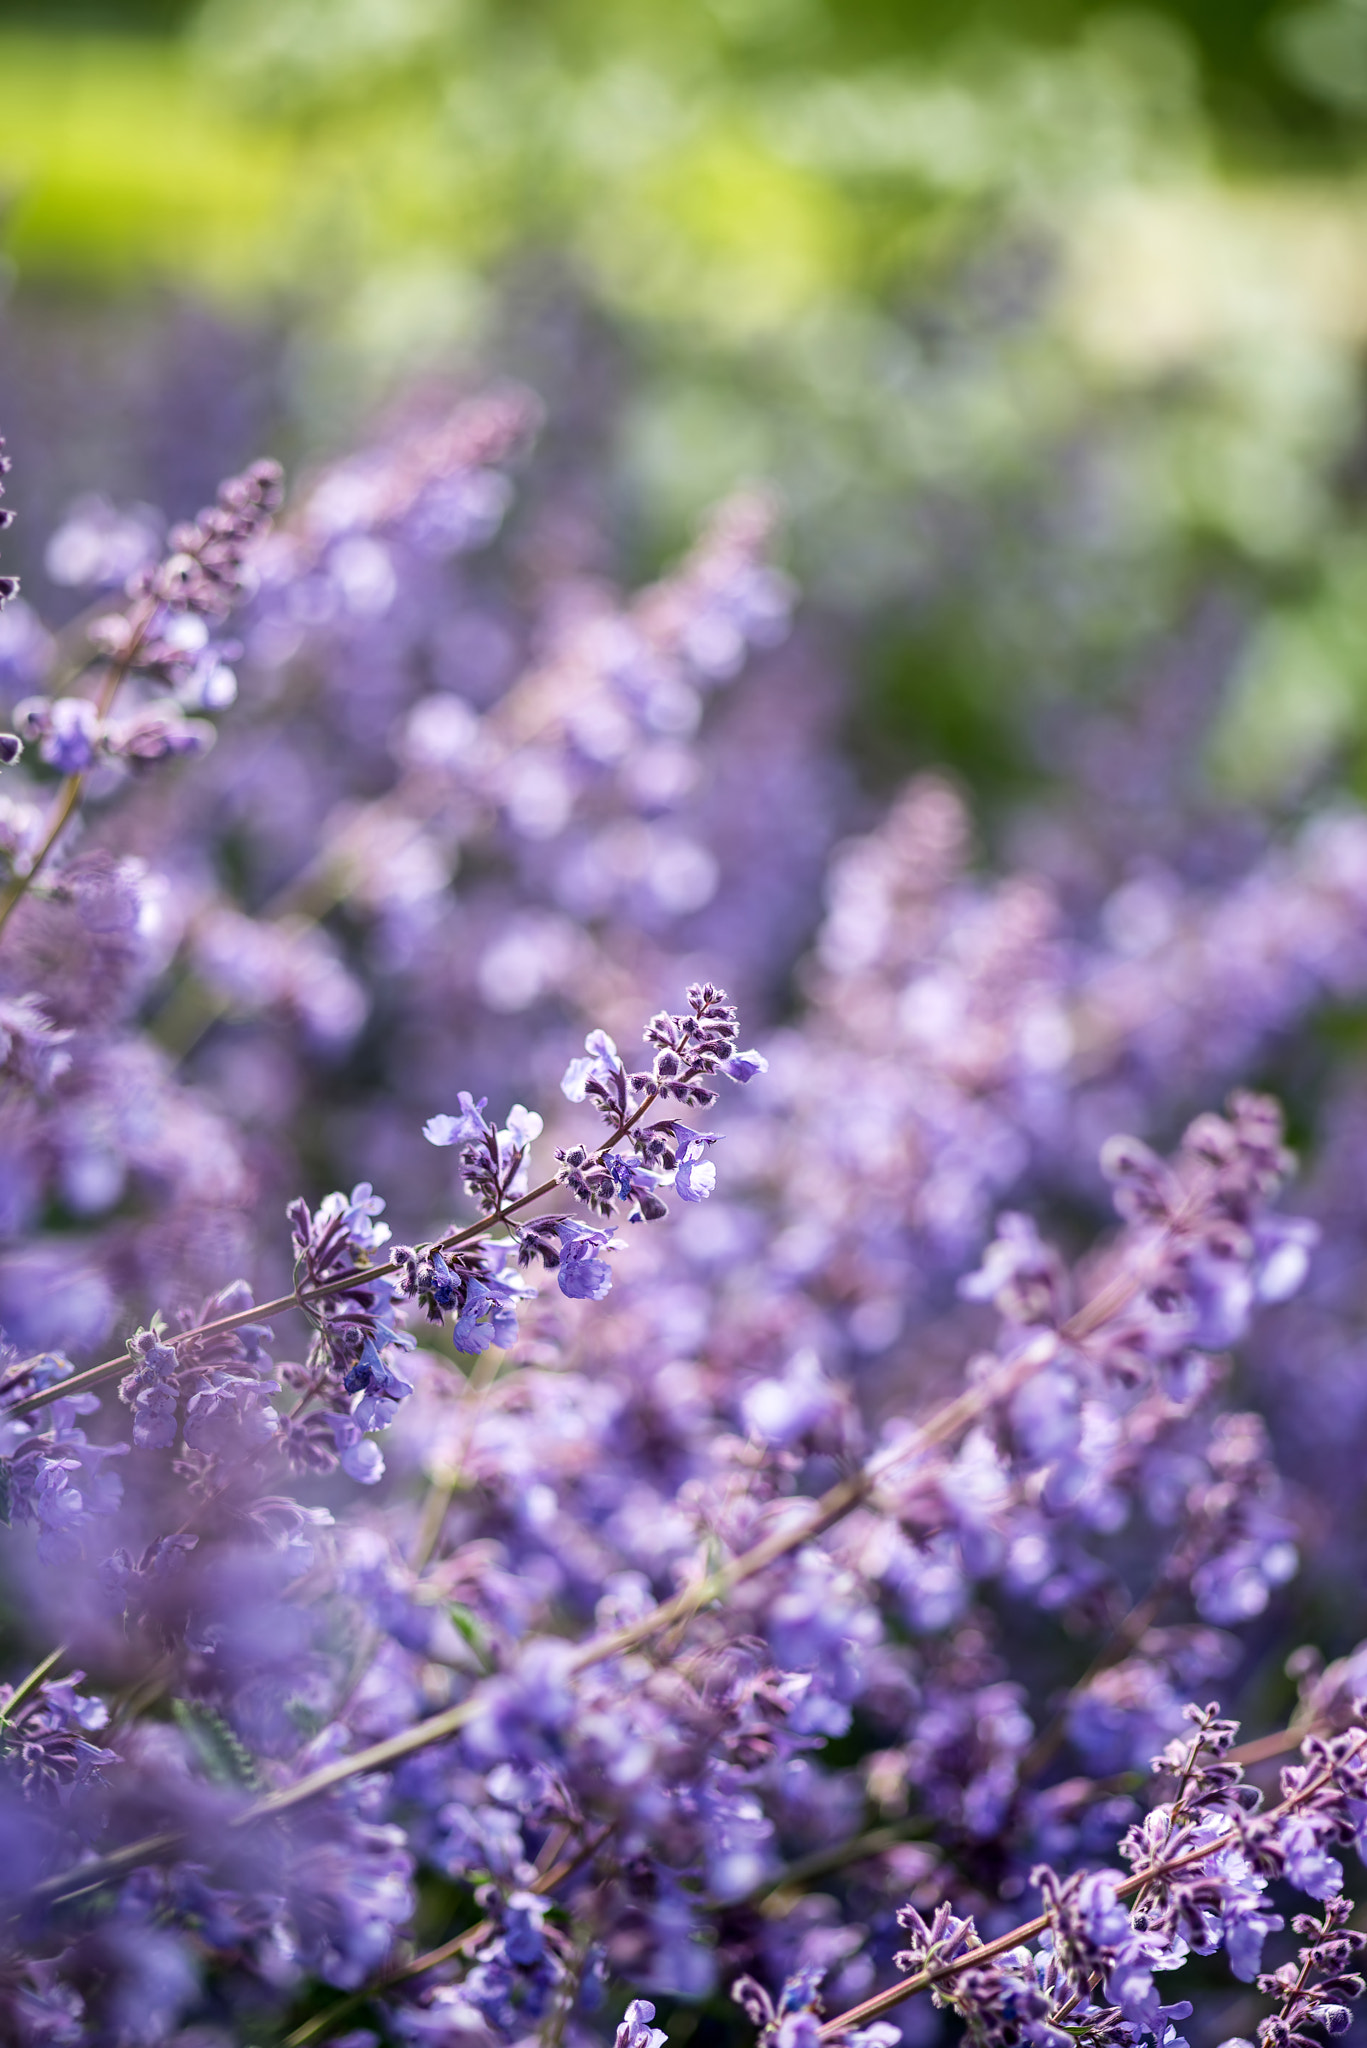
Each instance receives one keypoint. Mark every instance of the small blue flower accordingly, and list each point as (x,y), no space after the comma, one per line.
(695,1177)
(473,1331)
(636,2030)
(358,1457)
(467,1128)
(378,1391)
(583,1277)
(601,1064)
(743,1066)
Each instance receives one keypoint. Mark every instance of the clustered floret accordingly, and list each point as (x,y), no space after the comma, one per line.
(164,636)
(477,1287)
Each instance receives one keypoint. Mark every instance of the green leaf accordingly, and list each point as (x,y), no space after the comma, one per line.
(469,1625)
(222,1757)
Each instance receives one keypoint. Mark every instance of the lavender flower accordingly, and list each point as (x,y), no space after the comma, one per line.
(841,1552)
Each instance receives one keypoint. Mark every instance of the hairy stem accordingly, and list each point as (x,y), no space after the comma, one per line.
(28,1686)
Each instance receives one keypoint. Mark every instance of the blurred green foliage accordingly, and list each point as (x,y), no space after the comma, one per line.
(120,17)
(1045,317)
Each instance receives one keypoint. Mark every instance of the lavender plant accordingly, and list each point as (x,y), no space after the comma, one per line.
(745,1601)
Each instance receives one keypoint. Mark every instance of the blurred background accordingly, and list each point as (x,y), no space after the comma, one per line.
(1045,318)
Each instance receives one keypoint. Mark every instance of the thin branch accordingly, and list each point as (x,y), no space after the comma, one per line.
(303,1298)
(91,1875)
(832,1507)
(87,1877)
(1265,1747)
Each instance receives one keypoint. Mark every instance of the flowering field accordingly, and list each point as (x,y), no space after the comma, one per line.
(683,1073)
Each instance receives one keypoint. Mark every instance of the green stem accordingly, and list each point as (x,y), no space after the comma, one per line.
(28,1686)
